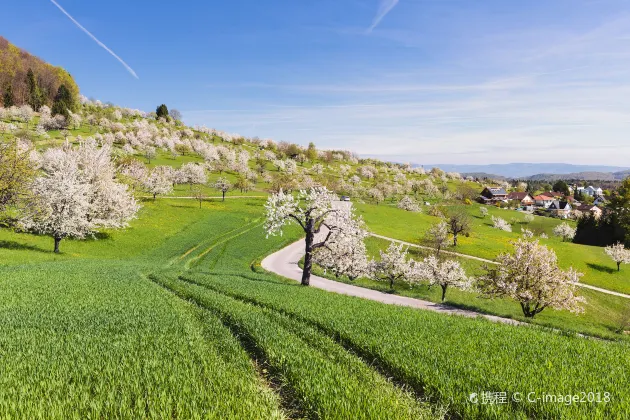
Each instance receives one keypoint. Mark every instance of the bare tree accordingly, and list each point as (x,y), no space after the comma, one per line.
(458,224)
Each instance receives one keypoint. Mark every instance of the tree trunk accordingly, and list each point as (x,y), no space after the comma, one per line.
(308,258)
(57,241)
(527,310)
(455,239)
(444,286)
(618,265)
(391,284)
(154,196)
(223,195)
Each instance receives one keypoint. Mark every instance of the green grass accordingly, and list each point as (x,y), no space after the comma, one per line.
(487,242)
(444,359)
(328,381)
(602,317)
(95,339)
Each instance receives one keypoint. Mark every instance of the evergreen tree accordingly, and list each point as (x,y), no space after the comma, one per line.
(561,187)
(63,102)
(162,111)
(35,96)
(311,152)
(7,98)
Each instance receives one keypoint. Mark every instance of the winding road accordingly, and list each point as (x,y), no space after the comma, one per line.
(285,263)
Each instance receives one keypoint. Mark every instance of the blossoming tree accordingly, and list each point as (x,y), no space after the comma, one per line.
(565,231)
(77,194)
(345,253)
(394,266)
(443,273)
(619,254)
(311,210)
(531,276)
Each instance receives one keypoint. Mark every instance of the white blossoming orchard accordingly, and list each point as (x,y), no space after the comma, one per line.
(531,276)
(483,211)
(619,254)
(443,273)
(312,210)
(565,231)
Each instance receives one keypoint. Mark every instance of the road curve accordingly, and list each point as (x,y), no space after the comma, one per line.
(285,263)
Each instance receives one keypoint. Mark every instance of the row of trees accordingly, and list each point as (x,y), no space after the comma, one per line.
(335,241)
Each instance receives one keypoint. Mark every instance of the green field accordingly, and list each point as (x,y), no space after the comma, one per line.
(603,314)
(487,242)
(173,318)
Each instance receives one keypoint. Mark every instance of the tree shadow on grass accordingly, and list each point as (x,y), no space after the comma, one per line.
(601,268)
(19,247)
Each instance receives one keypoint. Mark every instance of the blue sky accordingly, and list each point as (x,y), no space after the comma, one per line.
(426,81)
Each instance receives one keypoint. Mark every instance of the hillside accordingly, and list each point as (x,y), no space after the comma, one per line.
(179,299)
(15,64)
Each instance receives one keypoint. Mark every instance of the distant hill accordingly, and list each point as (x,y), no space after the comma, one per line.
(14,66)
(482,175)
(525,170)
(584,176)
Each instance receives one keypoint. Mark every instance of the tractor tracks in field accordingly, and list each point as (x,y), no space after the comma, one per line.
(193,255)
(299,327)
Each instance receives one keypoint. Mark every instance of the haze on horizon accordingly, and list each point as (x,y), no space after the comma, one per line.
(433,81)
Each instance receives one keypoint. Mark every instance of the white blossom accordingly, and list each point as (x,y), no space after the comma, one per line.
(501,224)
(531,276)
(619,254)
(409,204)
(565,231)
(78,194)
(394,265)
(443,273)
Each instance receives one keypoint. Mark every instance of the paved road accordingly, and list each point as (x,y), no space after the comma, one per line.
(285,263)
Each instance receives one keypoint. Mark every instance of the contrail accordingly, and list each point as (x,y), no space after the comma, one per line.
(129,69)
(384,8)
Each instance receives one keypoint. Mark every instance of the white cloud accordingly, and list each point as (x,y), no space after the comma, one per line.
(129,69)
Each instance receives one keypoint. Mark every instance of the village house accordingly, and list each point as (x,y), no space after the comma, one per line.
(590,190)
(523,198)
(553,194)
(560,208)
(491,195)
(590,209)
(543,201)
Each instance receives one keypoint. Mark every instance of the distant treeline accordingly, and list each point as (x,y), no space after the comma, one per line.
(26,79)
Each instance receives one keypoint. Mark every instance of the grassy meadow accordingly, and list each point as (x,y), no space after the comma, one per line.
(173,317)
